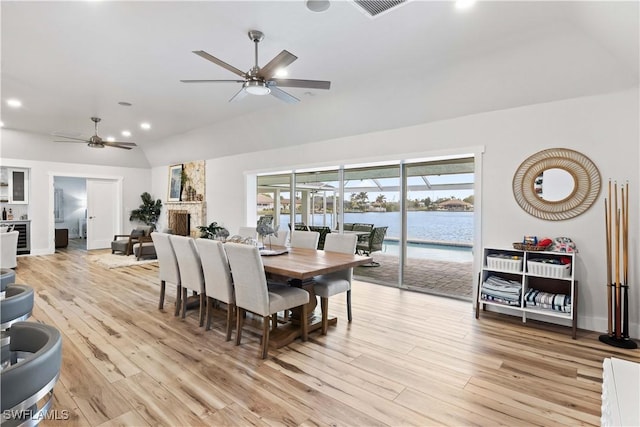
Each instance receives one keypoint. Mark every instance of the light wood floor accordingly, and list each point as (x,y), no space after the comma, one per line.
(407,359)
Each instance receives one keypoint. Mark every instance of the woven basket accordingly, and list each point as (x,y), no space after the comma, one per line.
(529,247)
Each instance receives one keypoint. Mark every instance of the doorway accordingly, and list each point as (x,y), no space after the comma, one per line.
(84,211)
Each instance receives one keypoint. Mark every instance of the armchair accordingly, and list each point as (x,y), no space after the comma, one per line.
(124,242)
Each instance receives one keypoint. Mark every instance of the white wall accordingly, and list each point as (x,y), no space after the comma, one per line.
(135,182)
(603,127)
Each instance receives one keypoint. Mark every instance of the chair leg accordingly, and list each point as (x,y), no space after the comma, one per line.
(349,305)
(274,321)
(304,322)
(184,302)
(209,313)
(324,305)
(203,307)
(162,289)
(265,336)
(239,322)
(231,308)
(178,300)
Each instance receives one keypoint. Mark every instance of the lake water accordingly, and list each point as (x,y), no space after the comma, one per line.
(434,226)
(455,228)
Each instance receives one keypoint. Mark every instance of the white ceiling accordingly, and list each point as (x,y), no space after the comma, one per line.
(424,61)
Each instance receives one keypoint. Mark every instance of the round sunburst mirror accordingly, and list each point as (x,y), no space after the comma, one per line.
(556,184)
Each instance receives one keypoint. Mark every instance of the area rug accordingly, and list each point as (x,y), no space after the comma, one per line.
(117,261)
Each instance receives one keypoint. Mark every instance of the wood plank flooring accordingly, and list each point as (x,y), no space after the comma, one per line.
(407,359)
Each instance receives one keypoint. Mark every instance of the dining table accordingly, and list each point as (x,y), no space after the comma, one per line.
(298,267)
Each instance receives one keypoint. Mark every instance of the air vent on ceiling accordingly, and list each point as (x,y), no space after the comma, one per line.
(374,8)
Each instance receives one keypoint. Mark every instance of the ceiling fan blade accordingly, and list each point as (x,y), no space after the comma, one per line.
(282,60)
(76,140)
(119,145)
(71,137)
(220,62)
(130,144)
(212,81)
(239,95)
(283,96)
(308,84)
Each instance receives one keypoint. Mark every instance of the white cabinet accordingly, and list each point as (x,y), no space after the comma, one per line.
(529,282)
(14,186)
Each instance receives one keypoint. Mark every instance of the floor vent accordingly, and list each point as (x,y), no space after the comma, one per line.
(374,8)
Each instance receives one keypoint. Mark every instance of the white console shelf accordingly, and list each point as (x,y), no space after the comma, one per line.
(532,274)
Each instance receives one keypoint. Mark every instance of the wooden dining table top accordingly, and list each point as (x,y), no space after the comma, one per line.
(304,264)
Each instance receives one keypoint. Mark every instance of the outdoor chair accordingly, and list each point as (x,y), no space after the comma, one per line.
(340,281)
(168,267)
(322,231)
(191,275)
(305,239)
(300,226)
(124,242)
(253,295)
(34,358)
(372,243)
(218,283)
(348,226)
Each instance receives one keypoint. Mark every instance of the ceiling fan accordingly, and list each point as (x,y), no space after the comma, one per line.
(262,81)
(96,142)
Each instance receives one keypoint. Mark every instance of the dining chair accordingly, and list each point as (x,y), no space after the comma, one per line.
(279,240)
(168,267)
(248,232)
(253,295)
(218,283)
(305,239)
(335,283)
(191,276)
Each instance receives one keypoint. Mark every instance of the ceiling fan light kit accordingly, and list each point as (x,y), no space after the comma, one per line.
(262,81)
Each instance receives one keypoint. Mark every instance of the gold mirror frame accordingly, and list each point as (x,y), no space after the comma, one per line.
(585,175)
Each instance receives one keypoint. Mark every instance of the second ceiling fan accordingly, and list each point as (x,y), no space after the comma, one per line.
(262,81)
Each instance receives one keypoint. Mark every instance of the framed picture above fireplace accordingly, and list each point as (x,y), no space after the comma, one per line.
(175,183)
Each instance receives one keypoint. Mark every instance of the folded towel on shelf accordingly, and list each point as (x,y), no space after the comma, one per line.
(556,302)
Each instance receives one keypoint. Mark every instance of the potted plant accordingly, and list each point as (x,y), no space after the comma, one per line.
(213,231)
(148,212)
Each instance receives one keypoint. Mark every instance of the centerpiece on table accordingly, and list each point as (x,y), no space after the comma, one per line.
(213,231)
(265,230)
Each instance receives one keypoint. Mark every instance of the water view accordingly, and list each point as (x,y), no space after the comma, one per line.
(430,226)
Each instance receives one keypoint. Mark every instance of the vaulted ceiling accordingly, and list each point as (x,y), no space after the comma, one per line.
(420,62)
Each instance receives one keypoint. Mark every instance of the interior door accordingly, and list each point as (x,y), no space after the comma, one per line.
(102,210)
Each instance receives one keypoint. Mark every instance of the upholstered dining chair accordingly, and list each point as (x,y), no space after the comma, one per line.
(248,232)
(191,275)
(35,357)
(253,295)
(335,283)
(279,240)
(305,239)
(218,283)
(168,267)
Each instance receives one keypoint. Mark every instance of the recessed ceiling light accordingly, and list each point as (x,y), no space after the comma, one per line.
(14,103)
(126,133)
(125,104)
(464,4)
(282,73)
(318,5)
(111,139)
(145,126)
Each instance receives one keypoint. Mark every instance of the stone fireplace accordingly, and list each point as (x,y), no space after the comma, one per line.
(193,212)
